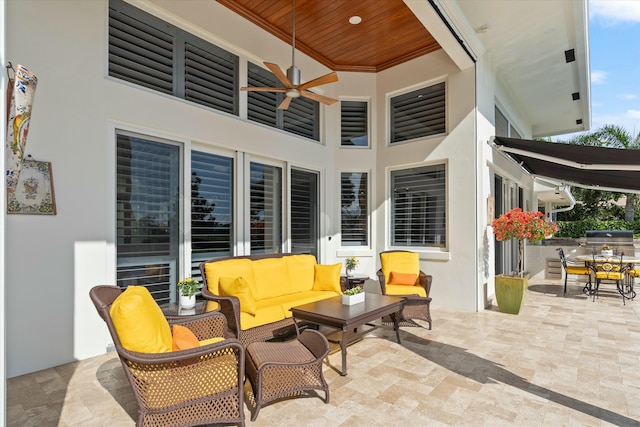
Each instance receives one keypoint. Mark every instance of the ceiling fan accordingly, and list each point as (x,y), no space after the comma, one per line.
(291,80)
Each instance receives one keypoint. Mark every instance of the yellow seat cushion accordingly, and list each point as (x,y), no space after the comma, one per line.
(574,269)
(327,277)
(402,279)
(239,287)
(266,312)
(609,275)
(399,262)
(139,322)
(406,290)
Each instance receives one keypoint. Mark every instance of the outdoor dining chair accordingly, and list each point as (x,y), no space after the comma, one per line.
(578,270)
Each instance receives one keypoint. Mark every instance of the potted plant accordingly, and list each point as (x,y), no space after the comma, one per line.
(517,224)
(606,250)
(350,265)
(352,296)
(187,289)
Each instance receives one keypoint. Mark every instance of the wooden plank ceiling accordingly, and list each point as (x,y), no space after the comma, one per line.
(388,35)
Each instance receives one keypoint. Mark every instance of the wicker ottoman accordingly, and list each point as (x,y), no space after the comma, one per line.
(279,369)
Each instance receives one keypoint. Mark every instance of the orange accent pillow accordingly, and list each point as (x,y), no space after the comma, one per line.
(184,338)
(406,279)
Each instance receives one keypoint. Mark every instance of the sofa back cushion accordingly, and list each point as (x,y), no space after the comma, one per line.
(301,271)
(271,278)
(139,322)
(241,267)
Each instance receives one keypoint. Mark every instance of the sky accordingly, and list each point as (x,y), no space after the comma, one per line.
(614,38)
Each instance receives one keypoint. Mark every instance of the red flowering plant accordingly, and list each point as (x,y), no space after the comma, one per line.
(517,224)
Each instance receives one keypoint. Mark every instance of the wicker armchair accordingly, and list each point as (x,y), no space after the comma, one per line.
(417,305)
(202,385)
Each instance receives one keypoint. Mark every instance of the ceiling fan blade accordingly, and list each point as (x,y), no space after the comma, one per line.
(263,89)
(327,78)
(285,104)
(320,98)
(277,71)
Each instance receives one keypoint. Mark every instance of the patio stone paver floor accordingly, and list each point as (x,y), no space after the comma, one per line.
(563,361)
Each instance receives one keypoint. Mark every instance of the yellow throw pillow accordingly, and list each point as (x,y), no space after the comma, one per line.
(238,287)
(184,338)
(327,277)
(405,279)
(139,322)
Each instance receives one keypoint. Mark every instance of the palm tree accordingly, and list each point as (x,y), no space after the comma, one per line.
(612,136)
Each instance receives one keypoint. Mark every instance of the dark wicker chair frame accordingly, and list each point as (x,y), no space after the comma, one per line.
(169,386)
(415,307)
(230,307)
(577,270)
(280,369)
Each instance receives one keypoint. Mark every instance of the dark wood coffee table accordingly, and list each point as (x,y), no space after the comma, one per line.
(330,312)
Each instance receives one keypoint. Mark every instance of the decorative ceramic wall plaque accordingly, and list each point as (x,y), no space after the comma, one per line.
(34,190)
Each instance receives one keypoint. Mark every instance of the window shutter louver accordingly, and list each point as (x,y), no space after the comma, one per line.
(354,123)
(211,208)
(304,212)
(209,77)
(149,52)
(419,113)
(354,205)
(265,208)
(301,118)
(140,53)
(419,206)
(147,215)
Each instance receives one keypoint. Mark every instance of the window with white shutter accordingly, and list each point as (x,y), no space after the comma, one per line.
(418,114)
(211,208)
(354,124)
(148,215)
(301,118)
(419,206)
(354,201)
(150,52)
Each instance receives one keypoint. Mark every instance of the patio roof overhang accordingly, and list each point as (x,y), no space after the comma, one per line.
(602,168)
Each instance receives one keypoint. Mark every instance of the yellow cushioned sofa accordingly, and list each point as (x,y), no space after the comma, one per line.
(256,292)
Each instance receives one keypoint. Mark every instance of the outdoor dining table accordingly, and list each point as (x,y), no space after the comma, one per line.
(626,263)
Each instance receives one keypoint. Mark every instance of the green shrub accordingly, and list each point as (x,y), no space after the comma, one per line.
(576,229)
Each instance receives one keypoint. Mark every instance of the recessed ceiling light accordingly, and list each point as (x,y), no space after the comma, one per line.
(355,20)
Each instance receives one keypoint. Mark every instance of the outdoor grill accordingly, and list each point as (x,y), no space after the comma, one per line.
(619,240)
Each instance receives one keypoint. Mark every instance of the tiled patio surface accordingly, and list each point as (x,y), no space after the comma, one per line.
(563,361)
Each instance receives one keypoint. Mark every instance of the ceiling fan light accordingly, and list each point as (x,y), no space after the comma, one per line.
(293,93)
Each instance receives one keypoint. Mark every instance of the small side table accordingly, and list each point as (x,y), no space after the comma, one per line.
(174,309)
(348,282)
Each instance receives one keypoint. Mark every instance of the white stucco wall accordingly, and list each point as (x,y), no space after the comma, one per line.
(77,108)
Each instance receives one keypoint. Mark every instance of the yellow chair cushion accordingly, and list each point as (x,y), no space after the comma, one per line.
(402,279)
(273,276)
(399,262)
(239,287)
(327,277)
(573,269)
(139,322)
(610,275)
(406,290)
